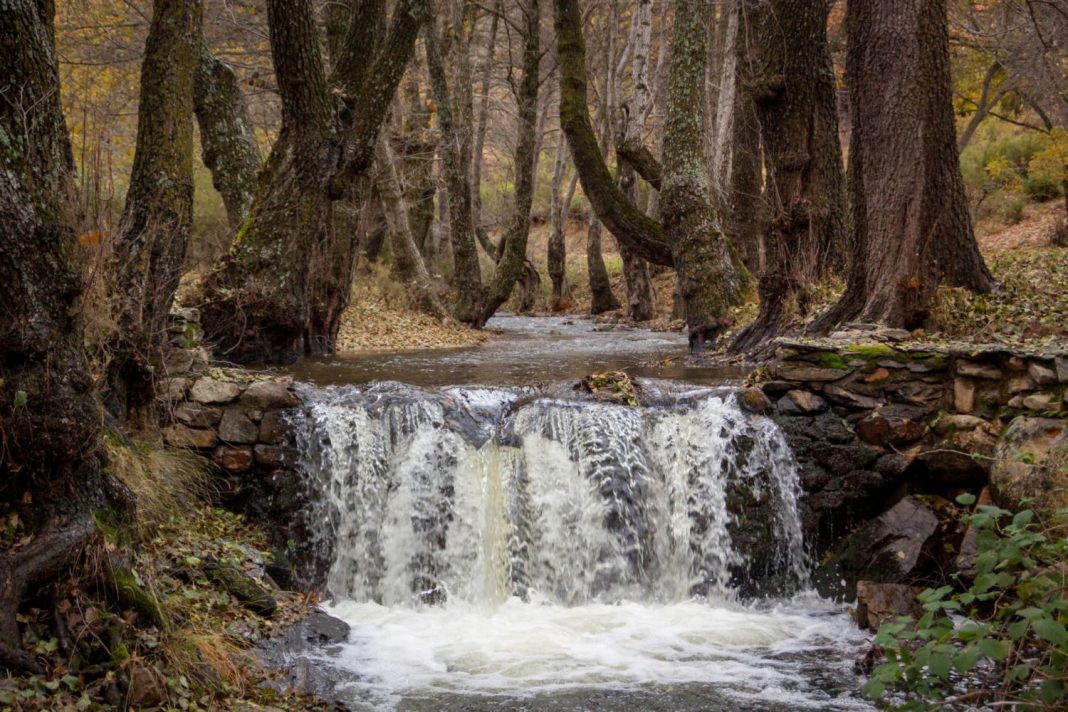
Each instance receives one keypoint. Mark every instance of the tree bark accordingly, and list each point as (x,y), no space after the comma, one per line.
(514,258)
(280,291)
(631,226)
(911,227)
(467,276)
(795,102)
(711,279)
(228,146)
(559,206)
(158,217)
(601,297)
(483,116)
(50,457)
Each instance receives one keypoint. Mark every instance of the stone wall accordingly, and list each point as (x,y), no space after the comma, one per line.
(887,435)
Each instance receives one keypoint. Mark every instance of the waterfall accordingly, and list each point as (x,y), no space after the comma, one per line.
(479,494)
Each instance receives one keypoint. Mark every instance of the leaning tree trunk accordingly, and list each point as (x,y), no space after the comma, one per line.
(467,276)
(281,289)
(158,218)
(711,279)
(514,258)
(911,227)
(227,144)
(795,101)
(50,457)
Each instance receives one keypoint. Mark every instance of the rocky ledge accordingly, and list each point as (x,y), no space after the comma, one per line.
(887,435)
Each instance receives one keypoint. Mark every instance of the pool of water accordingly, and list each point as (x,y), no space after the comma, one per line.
(526,350)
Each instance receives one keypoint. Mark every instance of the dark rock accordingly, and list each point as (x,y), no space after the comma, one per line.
(775,389)
(843,459)
(274,455)
(281,571)
(946,466)
(891,465)
(893,425)
(879,603)
(273,427)
(241,586)
(237,428)
(233,458)
(754,400)
(197,415)
(269,395)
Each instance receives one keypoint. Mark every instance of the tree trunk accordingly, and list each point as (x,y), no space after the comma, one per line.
(711,279)
(483,116)
(630,225)
(281,289)
(559,207)
(601,297)
(405,253)
(514,258)
(467,276)
(158,218)
(227,144)
(796,105)
(911,227)
(50,457)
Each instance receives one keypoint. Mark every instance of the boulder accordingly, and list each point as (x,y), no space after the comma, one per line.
(183,436)
(209,390)
(236,427)
(879,603)
(269,395)
(1031,463)
(198,415)
(233,458)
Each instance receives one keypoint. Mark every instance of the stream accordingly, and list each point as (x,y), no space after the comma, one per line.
(502,541)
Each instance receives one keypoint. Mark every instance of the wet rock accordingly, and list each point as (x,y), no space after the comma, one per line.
(843,459)
(237,428)
(879,603)
(1031,463)
(269,395)
(198,415)
(888,549)
(1041,374)
(233,458)
(774,389)
(274,456)
(798,402)
(754,401)
(241,586)
(273,428)
(184,436)
(209,390)
(978,370)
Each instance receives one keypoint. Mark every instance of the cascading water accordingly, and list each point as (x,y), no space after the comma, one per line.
(516,544)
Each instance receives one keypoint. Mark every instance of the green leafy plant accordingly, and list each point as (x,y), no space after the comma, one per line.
(1000,638)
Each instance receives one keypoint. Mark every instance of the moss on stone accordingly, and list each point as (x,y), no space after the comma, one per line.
(130,593)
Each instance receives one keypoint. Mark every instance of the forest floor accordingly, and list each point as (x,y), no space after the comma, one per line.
(1030,307)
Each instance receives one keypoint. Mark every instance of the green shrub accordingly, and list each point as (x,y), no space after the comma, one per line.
(1000,639)
(1040,188)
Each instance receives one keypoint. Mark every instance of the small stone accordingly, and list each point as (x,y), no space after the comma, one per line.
(754,400)
(198,415)
(1021,384)
(178,361)
(174,389)
(233,459)
(963,395)
(209,390)
(977,370)
(1038,401)
(878,375)
(1042,374)
(807,402)
(849,398)
(269,395)
(183,436)
(956,422)
(790,372)
(237,428)
(273,427)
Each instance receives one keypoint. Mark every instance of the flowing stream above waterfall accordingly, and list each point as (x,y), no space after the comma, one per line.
(531,547)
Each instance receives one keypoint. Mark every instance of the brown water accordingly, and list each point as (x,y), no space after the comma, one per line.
(525,351)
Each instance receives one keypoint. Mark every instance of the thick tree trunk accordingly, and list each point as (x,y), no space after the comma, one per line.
(601,297)
(629,224)
(513,261)
(911,227)
(711,279)
(227,144)
(467,276)
(158,218)
(483,116)
(281,290)
(50,473)
(795,101)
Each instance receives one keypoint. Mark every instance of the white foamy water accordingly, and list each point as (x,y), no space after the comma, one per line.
(494,549)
